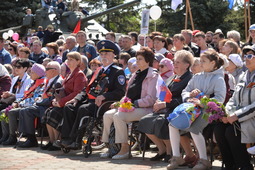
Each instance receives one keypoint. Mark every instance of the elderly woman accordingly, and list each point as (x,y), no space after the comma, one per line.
(166,68)
(235,66)
(73,83)
(155,125)
(238,128)
(142,92)
(54,52)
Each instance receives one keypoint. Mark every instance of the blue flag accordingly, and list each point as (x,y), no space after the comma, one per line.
(231,4)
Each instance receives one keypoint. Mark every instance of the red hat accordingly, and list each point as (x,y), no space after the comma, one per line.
(195,31)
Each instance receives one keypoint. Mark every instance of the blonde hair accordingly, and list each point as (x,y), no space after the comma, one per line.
(186,57)
(234,46)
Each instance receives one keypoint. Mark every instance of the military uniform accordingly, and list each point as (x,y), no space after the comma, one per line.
(110,83)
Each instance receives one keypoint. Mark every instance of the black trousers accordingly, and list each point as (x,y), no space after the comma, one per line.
(234,153)
(73,115)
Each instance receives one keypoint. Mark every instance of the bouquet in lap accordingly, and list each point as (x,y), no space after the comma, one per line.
(125,105)
(186,113)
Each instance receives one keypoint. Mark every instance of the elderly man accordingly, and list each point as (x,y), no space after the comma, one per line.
(84,48)
(70,46)
(28,114)
(107,84)
(37,55)
(188,39)
(84,66)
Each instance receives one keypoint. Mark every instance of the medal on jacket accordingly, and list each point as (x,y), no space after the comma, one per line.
(251,85)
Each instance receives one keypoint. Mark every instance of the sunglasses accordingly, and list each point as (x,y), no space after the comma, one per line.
(18,67)
(49,68)
(161,66)
(249,56)
(10,49)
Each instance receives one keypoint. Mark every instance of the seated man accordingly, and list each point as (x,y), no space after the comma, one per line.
(107,83)
(28,114)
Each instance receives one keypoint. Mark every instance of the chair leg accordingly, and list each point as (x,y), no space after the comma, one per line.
(144,148)
(130,140)
(42,128)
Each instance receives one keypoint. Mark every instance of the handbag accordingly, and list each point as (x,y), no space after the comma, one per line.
(184,115)
(59,94)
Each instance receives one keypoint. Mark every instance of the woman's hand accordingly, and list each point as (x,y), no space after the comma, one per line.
(114,105)
(159,105)
(224,120)
(194,92)
(195,101)
(232,119)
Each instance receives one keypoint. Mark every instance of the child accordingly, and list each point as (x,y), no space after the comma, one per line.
(211,83)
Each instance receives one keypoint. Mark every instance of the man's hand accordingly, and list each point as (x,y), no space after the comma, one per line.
(73,101)
(99,100)
(5,94)
(55,103)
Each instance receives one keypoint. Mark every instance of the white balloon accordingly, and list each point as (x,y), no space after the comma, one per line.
(155,12)
(5,35)
(10,33)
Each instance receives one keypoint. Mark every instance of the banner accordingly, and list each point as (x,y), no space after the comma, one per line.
(145,22)
(175,3)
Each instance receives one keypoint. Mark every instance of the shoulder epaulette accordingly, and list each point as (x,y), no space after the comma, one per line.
(117,67)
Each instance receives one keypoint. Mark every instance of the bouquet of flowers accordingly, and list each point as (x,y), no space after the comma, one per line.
(4,115)
(125,105)
(213,110)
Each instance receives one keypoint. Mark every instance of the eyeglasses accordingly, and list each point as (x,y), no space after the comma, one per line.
(50,68)
(249,56)
(18,67)
(161,66)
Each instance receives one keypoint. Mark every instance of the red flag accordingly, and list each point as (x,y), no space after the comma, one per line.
(77,27)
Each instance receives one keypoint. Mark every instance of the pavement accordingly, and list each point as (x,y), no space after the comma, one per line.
(35,158)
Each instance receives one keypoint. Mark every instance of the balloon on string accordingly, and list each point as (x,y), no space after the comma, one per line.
(5,35)
(10,33)
(155,12)
(15,36)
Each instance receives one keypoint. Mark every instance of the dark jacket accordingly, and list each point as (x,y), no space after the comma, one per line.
(176,86)
(5,84)
(116,87)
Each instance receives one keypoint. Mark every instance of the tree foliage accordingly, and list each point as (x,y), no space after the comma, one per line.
(13,11)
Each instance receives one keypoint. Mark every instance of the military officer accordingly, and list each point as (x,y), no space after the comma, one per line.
(108,83)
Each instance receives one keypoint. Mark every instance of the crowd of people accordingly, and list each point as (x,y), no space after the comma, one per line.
(62,81)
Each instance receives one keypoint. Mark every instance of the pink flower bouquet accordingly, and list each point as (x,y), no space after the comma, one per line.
(125,105)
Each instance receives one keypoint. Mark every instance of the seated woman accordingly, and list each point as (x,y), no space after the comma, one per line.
(211,82)
(166,68)
(142,92)
(19,85)
(73,83)
(30,96)
(238,128)
(155,125)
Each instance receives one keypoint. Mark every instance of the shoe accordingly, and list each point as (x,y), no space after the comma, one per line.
(12,140)
(124,156)
(202,164)
(4,138)
(66,143)
(30,142)
(45,147)
(53,148)
(175,162)
(158,157)
(251,150)
(105,155)
(167,158)
(190,160)
(57,143)
(74,146)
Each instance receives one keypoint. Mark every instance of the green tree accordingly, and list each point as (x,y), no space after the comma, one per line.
(13,11)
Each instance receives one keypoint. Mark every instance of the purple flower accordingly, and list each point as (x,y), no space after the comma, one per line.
(212,105)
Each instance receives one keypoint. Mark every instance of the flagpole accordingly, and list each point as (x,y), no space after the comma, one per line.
(249,14)
(191,18)
(186,17)
(245,20)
